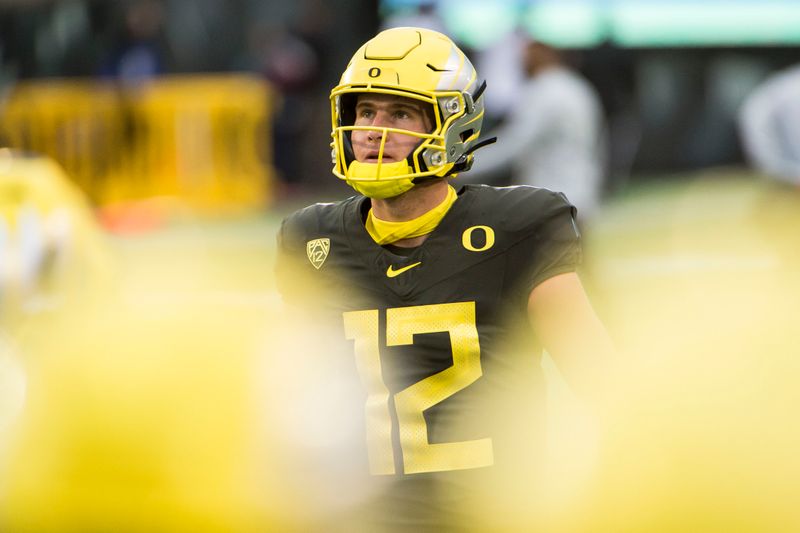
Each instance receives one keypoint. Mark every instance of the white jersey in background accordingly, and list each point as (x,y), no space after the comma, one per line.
(553,137)
(769,123)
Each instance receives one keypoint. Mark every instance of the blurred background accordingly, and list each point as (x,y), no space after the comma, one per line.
(150,148)
(671,76)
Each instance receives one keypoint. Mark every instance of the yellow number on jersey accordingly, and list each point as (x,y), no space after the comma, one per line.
(419,455)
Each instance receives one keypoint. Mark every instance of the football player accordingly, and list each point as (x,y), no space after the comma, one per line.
(446,297)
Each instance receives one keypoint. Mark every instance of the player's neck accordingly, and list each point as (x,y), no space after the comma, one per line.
(410,205)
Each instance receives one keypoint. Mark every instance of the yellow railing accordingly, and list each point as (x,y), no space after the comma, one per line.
(204,140)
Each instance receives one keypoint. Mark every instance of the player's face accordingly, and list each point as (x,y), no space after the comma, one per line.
(386,110)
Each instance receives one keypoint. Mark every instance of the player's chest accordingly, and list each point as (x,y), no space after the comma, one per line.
(467,267)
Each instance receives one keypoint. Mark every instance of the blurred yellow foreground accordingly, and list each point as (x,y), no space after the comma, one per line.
(184,402)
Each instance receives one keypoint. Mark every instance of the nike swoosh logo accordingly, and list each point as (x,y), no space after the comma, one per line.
(391,272)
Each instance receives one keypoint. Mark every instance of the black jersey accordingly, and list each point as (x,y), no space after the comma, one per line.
(430,329)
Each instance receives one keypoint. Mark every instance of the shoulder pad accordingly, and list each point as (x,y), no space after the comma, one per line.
(521,207)
(309,222)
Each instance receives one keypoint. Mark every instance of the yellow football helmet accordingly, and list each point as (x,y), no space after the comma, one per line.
(414,63)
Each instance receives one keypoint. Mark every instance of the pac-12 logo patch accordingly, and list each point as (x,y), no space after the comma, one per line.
(317,251)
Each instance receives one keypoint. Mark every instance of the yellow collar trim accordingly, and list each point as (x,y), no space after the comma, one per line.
(386,232)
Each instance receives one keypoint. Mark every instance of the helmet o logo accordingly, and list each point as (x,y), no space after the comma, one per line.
(374,72)
(488,238)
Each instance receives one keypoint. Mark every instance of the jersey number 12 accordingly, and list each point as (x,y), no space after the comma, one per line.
(402,323)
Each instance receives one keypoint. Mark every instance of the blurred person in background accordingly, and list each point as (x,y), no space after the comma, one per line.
(769,124)
(51,247)
(554,136)
(292,64)
(448,296)
(141,51)
(503,62)
(293,52)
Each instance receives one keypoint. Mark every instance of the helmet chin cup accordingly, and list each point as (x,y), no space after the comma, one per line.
(380,180)
(359,171)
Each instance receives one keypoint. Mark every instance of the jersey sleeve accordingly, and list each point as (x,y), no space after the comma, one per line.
(289,269)
(552,243)
(558,245)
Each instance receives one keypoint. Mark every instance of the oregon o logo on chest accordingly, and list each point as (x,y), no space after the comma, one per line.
(374,72)
(480,241)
